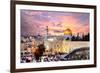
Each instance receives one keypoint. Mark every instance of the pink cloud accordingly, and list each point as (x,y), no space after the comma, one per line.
(35,26)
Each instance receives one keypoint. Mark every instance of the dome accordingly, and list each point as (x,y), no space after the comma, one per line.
(68,32)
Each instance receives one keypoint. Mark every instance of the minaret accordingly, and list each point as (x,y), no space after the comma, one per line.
(46,38)
(47,31)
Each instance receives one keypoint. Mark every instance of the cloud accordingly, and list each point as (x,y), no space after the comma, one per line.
(35,22)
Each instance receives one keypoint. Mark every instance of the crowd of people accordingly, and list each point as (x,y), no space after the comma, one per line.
(28,57)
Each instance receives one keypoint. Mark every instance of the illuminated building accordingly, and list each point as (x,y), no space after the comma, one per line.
(58,43)
(67,34)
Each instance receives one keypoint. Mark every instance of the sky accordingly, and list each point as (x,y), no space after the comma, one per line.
(35,22)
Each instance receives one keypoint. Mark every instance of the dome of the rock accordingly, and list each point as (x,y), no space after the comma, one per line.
(68,32)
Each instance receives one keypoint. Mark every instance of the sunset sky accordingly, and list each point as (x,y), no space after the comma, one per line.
(35,22)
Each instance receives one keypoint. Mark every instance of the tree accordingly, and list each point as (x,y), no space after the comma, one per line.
(39,52)
(86,37)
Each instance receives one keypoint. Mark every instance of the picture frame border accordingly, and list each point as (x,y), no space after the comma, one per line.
(13,35)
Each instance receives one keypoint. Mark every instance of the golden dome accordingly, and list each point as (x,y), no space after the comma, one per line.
(67,32)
